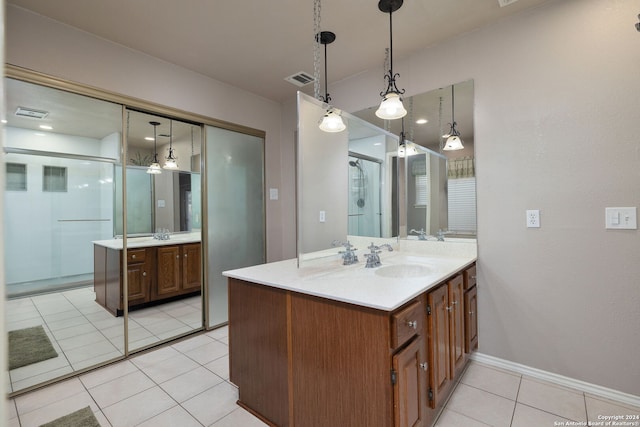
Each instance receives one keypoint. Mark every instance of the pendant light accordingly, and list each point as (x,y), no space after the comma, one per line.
(171,161)
(331,121)
(454,142)
(391,107)
(154,167)
(405,148)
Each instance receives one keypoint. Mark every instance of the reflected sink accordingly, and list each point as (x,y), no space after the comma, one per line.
(403,271)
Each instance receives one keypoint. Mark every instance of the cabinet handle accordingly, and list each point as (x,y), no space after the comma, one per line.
(177,256)
(412,324)
(144,273)
(424,366)
(471,313)
(449,308)
(454,302)
(133,256)
(185,255)
(473,277)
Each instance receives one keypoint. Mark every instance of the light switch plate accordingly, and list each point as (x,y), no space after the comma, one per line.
(621,218)
(273,194)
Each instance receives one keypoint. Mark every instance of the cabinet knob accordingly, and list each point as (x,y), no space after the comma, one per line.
(185,255)
(454,303)
(449,308)
(424,366)
(177,256)
(471,313)
(473,277)
(133,256)
(412,324)
(144,273)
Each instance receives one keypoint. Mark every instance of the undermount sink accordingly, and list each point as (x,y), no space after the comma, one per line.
(403,271)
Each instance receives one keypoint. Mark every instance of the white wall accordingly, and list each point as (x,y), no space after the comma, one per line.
(557,128)
(41,44)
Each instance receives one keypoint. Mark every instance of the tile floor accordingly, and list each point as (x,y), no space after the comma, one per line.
(84,334)
(187,384)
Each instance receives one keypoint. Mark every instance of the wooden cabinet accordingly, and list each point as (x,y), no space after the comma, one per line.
(154,274)
(301,360)
(139,275)
(456,325)
(410,387)
(470,310)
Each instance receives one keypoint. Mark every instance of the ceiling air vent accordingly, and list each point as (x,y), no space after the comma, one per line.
(300,78)
(504,3)
(30,112)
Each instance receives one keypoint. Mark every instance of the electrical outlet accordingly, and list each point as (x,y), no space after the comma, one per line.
(322,216)
(533,218)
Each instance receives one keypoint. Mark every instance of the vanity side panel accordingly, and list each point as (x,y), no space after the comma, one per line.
(113,290)
(258,349)
(100,274)
(341,364)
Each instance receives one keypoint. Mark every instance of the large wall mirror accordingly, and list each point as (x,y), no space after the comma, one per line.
(347,181)
(439,184)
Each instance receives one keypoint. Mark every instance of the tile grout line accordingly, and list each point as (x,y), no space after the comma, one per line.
(513,414)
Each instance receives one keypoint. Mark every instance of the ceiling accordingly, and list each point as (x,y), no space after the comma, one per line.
(255,45)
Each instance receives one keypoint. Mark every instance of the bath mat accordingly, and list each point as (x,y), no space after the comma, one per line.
(29,345)
(81,418)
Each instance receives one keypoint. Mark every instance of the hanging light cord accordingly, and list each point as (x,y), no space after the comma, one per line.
(316,49)
(327,98)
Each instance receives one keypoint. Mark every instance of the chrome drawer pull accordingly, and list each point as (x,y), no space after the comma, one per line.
(412,324)
(424,366)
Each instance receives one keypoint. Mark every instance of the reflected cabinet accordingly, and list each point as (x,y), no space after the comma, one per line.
(155,274)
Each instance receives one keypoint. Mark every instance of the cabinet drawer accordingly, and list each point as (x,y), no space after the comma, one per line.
(136,255)
(406,323)
(470,277)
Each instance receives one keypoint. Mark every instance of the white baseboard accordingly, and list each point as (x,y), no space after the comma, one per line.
(583,386)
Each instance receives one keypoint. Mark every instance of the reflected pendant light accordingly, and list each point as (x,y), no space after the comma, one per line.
(154,167)
(332,120)
(171,162)
(405,148)
(453,142)
(391,107)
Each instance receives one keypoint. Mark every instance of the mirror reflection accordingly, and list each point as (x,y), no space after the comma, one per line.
(347,181)
(61,150)
(450,205)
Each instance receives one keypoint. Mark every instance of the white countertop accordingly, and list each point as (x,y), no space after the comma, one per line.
(143,242)
(424,265)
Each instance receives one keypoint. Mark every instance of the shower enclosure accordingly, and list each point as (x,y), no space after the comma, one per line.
(365,207)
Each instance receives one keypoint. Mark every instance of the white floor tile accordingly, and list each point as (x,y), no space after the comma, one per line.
(213,404)
(154,356)
(526,416)
(192,342)
(219,333)
(81,340)
(107,373)
(553,399)
(599,407)
(104,348)
(239,417)
(450,418)
(220,367)
(48,395)
(492,380)
(120,388)
(190,384)
(139,408)
(74,330)
(58,409)
(173,417)
(208,352)
(40,378)
(482,406)
(169,368)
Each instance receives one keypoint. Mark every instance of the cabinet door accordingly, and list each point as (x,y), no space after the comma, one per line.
(138,281)
(440,373)
(191,271)
(456,324)
(409,391)
(471,319)
(168,270)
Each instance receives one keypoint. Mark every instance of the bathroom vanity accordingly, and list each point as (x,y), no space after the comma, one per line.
(341,345)
(157,270)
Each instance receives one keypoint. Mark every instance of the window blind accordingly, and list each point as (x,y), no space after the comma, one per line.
(462,205)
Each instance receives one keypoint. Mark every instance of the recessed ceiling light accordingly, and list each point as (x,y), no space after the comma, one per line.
(45,127)
(40,134)
(422,121)
(3,121)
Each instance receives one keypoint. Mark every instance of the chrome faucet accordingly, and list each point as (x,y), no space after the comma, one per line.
(421,233)
(373,259)
(348,255)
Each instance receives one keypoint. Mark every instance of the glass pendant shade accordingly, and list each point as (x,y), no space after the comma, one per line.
(391,107)
(332,122)
(170,164)
(154,168)
(453,143)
